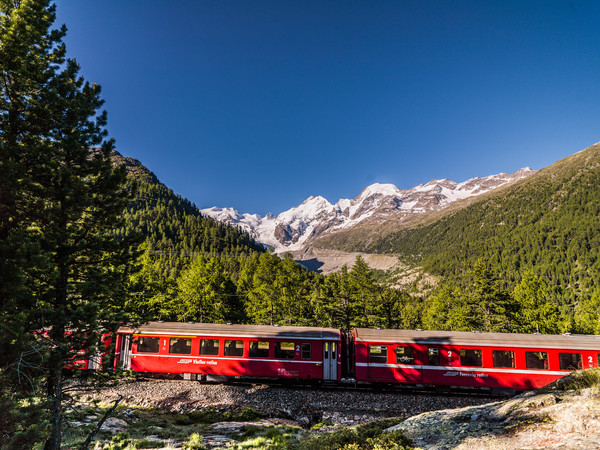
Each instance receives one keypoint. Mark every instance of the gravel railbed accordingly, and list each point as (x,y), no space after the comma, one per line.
(303,404)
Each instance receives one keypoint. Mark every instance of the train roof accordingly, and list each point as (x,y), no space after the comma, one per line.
(566,341)
(229,330)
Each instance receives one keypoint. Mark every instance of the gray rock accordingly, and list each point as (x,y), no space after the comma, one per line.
(216,440)
(114,425)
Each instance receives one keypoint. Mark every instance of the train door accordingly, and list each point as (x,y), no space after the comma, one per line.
(126,351)
(95,361)
(330,352)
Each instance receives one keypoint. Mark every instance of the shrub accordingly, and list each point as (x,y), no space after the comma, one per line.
(194,442)
(581,379)
(369,436)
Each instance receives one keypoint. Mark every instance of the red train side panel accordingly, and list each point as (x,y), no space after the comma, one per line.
(491,360)
(232,350)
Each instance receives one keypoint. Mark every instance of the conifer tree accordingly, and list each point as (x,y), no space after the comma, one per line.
(488,306)
(264,303)
(537,312)
(29,57)
(364,296)
(205,292)
(66,201)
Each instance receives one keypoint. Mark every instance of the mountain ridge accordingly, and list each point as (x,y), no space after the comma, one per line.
(295,229)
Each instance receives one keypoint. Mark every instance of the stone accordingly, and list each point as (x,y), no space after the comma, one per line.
(114,425)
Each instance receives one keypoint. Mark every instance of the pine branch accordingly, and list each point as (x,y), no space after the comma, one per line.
(89,439)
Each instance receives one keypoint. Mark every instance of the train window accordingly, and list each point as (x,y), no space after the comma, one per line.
(569,361)
(433,356)
(306,350)
(234,348)
(147,344)
(503,358)
(470,357)
(209,347)
(259,349)
(180,346)
(405,355)
(284,350)
(378,353)
(598,360)
(536,360)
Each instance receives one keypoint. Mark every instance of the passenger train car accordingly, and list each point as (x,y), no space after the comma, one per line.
(492,360)
(303,353)
(432,358)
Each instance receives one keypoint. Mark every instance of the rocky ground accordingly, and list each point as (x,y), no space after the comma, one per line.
(304,405)
(562,416)
(565,415)
(220,415)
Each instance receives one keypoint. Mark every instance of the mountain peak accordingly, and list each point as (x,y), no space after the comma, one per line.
(295,228)
(386,189)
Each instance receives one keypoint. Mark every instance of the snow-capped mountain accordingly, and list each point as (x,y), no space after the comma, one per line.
(293,229)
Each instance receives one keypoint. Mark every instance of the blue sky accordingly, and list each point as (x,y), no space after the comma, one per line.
(259,104)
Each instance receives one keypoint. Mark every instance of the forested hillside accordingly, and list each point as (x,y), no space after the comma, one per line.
(547,226)
(192,268)
(172,227)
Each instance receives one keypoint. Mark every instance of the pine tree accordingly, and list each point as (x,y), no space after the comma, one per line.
(264,304)
(364,298)
(537,312)
(489,307)
(69,197)
(29,57)
(205,292)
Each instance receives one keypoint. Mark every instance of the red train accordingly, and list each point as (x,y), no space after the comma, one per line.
(436,358)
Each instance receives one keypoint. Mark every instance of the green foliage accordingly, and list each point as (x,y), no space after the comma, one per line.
(577,381)
(368,436)
(211,415)
(63,269)
(537,314)
(206,292)
(23,419)
(194,442)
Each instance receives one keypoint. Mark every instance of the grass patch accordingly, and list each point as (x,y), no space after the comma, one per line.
(522,423)
(577,381)
(318,426)
(194,442)
(275,437)
(144,422)
(212,416)
(369,436)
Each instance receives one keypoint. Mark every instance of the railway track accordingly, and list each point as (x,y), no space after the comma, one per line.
(352,385)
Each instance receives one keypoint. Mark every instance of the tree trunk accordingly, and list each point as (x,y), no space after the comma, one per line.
(55,385)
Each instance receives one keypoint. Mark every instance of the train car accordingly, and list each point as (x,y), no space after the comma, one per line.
(489,360)
(217,350)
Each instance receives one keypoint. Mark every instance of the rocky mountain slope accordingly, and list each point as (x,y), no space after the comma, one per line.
(546,223)
(295,229)
(563,415)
